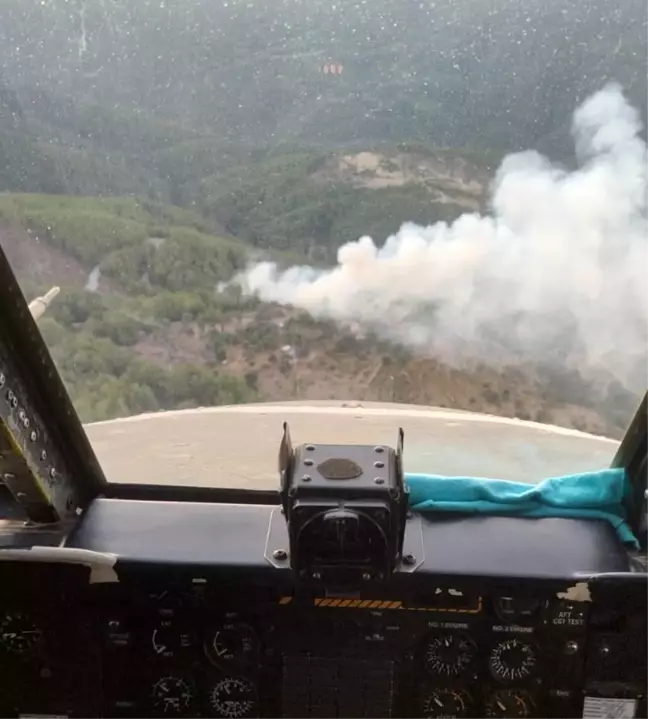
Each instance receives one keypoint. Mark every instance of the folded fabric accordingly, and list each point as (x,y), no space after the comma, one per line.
(591,495)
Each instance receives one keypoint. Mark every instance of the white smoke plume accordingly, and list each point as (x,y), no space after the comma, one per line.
(556,274)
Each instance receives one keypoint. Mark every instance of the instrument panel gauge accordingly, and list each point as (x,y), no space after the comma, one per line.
(234,697)
(168,639)
(509,703)
(19,634)
(449,654)
(233,644)
(444,703)
(512,660)
(172,695)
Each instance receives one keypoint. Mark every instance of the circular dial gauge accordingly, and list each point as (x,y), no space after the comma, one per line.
(233,645)
(172,695)
(449,654)
(509,704)
(233,698)
(167,640)
(445,703)
(18,633)
(512,660)
(515,609)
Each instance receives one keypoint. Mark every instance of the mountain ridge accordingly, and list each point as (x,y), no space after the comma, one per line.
(173,142)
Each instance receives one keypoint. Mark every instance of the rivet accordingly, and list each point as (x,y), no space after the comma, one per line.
(379,465)
(309,462)
(379,450)
(306,478)
(310,447)
(379,480)
(280,554)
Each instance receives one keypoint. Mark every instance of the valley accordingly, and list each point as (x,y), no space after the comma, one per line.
(149,152)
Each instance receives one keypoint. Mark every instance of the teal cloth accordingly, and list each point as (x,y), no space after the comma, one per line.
(591,495)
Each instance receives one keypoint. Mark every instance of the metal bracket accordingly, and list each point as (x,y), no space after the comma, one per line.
(413,554)
(277,550)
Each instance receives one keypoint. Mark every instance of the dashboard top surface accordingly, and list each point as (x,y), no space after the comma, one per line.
(237,446)
(212,535)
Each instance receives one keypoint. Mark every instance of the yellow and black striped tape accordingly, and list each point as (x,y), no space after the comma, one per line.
(331,602)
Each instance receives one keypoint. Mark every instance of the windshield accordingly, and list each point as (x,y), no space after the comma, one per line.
(420,202)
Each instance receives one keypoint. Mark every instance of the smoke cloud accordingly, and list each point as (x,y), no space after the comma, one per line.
(556,274)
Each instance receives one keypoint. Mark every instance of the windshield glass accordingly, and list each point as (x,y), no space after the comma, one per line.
(421,202)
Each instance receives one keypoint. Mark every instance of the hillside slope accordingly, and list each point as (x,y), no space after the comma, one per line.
(139,327)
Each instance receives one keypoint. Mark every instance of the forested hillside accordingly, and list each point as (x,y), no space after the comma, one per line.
(150,150)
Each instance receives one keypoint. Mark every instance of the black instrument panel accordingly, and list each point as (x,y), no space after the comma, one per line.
(204,650)
(182,638)
(167,643)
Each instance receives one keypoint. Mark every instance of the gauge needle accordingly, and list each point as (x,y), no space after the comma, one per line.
(159,648)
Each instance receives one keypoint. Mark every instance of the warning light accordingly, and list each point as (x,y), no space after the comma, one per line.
(332,68)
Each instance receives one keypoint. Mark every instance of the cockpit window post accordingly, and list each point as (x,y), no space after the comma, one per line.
(46,461)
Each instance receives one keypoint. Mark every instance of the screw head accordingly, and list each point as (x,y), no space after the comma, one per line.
(280,554)
(409,559)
